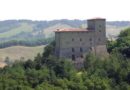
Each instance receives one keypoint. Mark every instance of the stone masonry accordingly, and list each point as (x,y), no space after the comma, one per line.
(75,43)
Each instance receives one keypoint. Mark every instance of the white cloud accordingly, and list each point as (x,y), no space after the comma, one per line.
(64,9)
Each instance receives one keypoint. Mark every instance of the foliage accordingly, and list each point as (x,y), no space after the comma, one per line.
(26,42)
(122,44)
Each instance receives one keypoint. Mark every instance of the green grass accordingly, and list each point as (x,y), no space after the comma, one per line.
(23,28)
(16,52)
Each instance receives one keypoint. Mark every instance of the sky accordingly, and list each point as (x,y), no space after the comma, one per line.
(112,10)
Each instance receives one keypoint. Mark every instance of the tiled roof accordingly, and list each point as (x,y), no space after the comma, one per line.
(71,30)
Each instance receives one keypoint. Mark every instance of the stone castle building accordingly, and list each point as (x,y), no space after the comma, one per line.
(75,43)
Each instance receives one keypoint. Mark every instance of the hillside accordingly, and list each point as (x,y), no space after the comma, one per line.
(16,52)
(48,32)
(28,29)
(24,27)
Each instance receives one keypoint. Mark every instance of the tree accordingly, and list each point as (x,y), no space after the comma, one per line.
(49,50)
(122,44)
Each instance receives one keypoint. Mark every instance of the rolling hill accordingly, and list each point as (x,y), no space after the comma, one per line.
(17,52)
(24,27)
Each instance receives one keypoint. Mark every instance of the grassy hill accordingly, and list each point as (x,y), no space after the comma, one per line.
(24,27)
(48,32)
(16,52)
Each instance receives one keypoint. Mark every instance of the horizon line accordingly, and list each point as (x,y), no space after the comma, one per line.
(57,19)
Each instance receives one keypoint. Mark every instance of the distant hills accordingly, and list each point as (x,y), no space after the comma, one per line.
(28,29)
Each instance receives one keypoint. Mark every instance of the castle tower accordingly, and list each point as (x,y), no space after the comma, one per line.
(98,25)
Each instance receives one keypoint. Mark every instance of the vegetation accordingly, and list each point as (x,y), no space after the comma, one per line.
(122,44)
(47,72)
(16,30)
(27,42)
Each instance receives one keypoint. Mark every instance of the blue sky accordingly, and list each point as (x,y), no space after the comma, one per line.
(64,9)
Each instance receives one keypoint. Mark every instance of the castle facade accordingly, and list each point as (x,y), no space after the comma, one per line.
(75,43)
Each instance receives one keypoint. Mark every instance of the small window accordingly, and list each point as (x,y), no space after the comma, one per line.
(73,50)
(80,39)
(81,50)
(81,56)
(90,39)
(99,39)
(72,39)
(73,57)
(90,48)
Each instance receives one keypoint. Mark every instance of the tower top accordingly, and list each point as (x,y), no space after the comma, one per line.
(97,18)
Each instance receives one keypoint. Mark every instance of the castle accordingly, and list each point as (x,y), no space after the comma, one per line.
(75,43)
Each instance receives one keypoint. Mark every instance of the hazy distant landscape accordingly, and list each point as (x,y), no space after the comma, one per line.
(27,29)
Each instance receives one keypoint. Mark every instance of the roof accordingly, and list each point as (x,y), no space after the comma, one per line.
(97,18)
(72,30)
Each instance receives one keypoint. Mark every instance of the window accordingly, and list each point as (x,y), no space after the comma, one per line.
(80,39)
(72,39)
(99,39)
(90,39)
(73,57)
(90,48)
(100,26)
(81,50)
(81,56)
(73,50)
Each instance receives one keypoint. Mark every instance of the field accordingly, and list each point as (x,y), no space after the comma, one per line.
(16,52)
(2,64)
